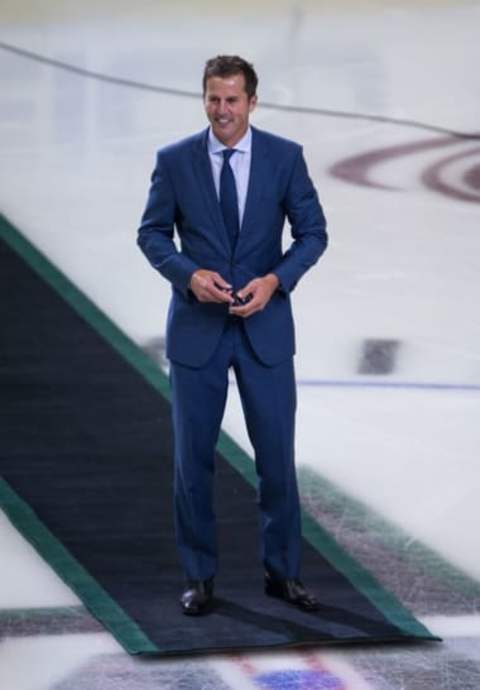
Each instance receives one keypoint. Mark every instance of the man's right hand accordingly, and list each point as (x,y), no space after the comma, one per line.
(209,286)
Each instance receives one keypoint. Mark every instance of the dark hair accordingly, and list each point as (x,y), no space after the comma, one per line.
(227,66)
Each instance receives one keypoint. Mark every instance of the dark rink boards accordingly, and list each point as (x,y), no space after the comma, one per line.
(86,458)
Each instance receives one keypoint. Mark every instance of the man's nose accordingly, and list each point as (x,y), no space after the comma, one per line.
(222,107)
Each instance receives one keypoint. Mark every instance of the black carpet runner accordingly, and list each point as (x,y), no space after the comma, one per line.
(86,461)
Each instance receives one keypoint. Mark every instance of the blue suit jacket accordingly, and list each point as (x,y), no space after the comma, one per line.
(183,195)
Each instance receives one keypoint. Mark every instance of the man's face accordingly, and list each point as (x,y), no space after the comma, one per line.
(228,107)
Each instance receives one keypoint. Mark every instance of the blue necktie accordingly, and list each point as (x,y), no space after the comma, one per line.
(228,198)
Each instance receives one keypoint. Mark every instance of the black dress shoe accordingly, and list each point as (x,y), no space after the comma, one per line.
(292,591)
(197,598)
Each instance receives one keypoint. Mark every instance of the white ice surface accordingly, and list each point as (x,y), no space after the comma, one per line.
(27,581)
(76,155)
(52,657)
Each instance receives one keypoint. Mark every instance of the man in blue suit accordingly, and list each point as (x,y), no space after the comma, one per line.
(227,191)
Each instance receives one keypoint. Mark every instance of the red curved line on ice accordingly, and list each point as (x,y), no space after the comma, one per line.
(432,177)
(356,170)
(472,177)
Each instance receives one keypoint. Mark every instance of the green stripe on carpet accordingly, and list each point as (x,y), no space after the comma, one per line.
(101,605)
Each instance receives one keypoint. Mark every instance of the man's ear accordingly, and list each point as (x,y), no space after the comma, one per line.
(252,104)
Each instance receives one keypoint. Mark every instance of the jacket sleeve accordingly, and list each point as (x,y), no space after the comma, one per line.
(308,227)
(155,235)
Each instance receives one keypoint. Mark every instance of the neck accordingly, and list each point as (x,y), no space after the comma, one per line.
(230,143)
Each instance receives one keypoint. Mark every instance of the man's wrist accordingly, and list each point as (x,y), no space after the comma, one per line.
(192,275)
(273,281)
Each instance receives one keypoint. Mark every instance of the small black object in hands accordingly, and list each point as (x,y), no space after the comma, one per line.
(240,301)
(237,300)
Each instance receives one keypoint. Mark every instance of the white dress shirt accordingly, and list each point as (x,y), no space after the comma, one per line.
(239,162)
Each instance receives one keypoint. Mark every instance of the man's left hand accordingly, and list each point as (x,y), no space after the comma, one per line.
(260,290)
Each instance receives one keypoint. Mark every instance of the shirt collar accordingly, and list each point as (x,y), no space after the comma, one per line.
(216,146)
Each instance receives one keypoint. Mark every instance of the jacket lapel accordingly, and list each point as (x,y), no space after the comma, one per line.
(206,185)
(258,175)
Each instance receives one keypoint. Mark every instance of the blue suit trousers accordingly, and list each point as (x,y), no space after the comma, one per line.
(268,396)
